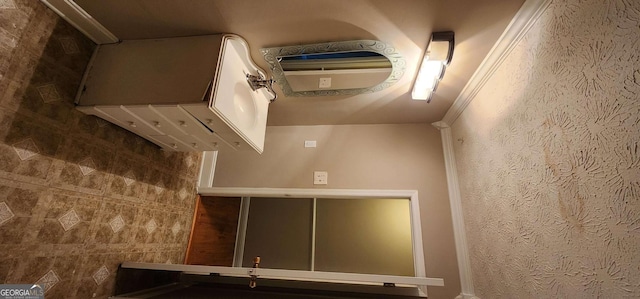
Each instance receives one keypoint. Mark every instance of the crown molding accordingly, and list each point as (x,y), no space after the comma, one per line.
(519,26)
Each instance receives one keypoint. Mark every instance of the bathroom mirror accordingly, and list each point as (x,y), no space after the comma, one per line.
(335,68)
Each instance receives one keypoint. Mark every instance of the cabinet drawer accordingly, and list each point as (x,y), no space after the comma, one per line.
(171,144)
(179,124)
(212,144)
(152,118)
(127,120)
(182,120)
(226,133)
(207,117)
(186,143)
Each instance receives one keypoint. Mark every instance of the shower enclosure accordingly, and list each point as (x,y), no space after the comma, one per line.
(361,237)
(350,235)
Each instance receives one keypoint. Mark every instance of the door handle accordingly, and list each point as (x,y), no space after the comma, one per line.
(254,277)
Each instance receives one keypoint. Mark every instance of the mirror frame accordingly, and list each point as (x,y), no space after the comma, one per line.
(397,61)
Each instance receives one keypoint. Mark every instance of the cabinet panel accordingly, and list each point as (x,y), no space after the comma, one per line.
(161,87)
(129,121)
(167,70)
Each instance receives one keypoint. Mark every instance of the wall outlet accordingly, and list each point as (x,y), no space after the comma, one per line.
(320,177)
(309,143)
(325,83)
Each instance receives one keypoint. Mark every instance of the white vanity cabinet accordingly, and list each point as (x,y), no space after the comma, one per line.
(183,94)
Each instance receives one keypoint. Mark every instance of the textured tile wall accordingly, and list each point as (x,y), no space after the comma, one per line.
(549,159)
(78,195)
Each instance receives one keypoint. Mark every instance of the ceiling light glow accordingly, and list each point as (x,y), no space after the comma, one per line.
(436,59)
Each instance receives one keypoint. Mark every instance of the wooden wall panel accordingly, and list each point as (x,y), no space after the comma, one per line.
(213,234)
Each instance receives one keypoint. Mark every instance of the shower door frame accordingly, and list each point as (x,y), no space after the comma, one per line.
(420,280)
(247,200)
(412,195)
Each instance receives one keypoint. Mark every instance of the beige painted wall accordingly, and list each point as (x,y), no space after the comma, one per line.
(549,160)
(360,157)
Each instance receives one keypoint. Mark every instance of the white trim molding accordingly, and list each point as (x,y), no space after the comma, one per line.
(519,26)
(459,234)
(83,21)
(207,170)
(365,279)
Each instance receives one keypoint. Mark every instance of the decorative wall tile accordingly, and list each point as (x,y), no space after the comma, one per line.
(549,161)
(49,93)
(7,4)
(158,188)
(69,220)
(175,229)
(87,166)
(48,281)
(189,161)
(129,178)
(5,213)
(101,275)
(183,194)
(83,165)
(151,226)
(69,45)
(67,215)
(117,223)
(26,149)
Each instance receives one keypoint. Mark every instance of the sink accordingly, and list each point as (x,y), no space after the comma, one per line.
(241,108)
(245,105)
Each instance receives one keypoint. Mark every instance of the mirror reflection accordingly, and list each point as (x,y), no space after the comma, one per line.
(342,70)
(338,68)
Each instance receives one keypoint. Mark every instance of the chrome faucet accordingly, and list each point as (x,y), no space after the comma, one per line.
(256,82)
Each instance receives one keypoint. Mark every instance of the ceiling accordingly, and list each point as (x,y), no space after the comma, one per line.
(406,24)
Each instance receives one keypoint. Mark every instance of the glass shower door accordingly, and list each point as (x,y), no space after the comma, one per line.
(279,230)
(349,235)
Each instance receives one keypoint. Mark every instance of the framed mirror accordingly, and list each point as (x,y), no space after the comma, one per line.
(335,68)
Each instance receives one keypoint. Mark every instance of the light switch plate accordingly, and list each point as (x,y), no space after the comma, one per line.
(309,143)
(320,177)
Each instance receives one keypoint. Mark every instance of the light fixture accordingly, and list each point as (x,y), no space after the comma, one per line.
(435,61)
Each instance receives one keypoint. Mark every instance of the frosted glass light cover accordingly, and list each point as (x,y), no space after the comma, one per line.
(428,76)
